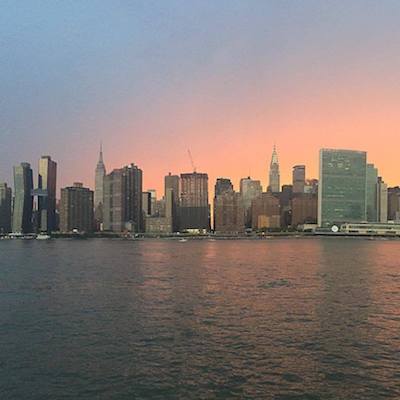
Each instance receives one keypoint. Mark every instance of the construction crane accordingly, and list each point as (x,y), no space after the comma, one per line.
(191,160)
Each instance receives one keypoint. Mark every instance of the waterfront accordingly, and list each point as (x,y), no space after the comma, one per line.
(156,319)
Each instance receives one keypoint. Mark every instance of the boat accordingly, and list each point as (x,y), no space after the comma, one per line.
(183,240)
(43,236)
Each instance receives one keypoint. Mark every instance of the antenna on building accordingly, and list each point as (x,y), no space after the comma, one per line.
(191,160)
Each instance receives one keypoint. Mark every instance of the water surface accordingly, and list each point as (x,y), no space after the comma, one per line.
(269,319)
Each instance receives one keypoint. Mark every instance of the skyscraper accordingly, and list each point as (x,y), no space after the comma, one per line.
(171,183)
(249,190)
(123,200)
(372,193)
(194,207)
(5,208)
(76,209)
(47,186)
(100,173)
(265,212)
(228,212)
(394,204)
(23,199)
(382,201)
(342,187)
(222,185)
(274,176)
(299,178)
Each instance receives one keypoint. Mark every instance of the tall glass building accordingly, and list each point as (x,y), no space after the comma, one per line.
(47,186)
(342,187)
(23,200)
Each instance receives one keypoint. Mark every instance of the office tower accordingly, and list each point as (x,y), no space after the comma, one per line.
(46,193)
(76,209)
(100,173)
(304,209)
(5,208)
(265,212)
(123,200)
(172,182)
(23,199)
(394,204)
(228,212)
(342,187)
(371,193)
(249,189)
(382,201)
(194,209)
(146,203)
(274,176)
(162,223)
(299,178)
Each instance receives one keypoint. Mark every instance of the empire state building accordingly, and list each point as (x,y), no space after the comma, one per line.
(99,188)
(274,176)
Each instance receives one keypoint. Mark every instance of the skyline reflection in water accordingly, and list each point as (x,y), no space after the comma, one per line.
(280,318)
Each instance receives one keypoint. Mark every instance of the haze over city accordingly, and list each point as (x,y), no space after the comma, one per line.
(224,79)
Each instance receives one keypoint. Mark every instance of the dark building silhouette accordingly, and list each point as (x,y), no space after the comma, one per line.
(5,208)
(394,204)
(23,199)
(46,194)
(76,209)
(123,200)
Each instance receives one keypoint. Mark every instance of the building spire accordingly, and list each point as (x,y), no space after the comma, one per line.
(101,153)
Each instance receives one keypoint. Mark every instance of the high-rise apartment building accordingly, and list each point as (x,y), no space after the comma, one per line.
(123,200)
(76,209)
(304,209)
(46,193)
(228,212)
(100,173)
(342,187)
(299,178)
(23,199)
(194,207)
(265,212)
(249,190)
(5,208)
(274,174)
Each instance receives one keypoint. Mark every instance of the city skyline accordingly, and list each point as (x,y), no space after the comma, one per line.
(304,76)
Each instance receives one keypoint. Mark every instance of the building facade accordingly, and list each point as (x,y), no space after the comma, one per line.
(304,209)
(23,199)
(229,212)
(372,193)
(299,178)
(249,190)
(382,201)
(46,195)
(342,187)
(394,204)
(123,210)
(194,210)
(76,209)
(265,212)
(5,208)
